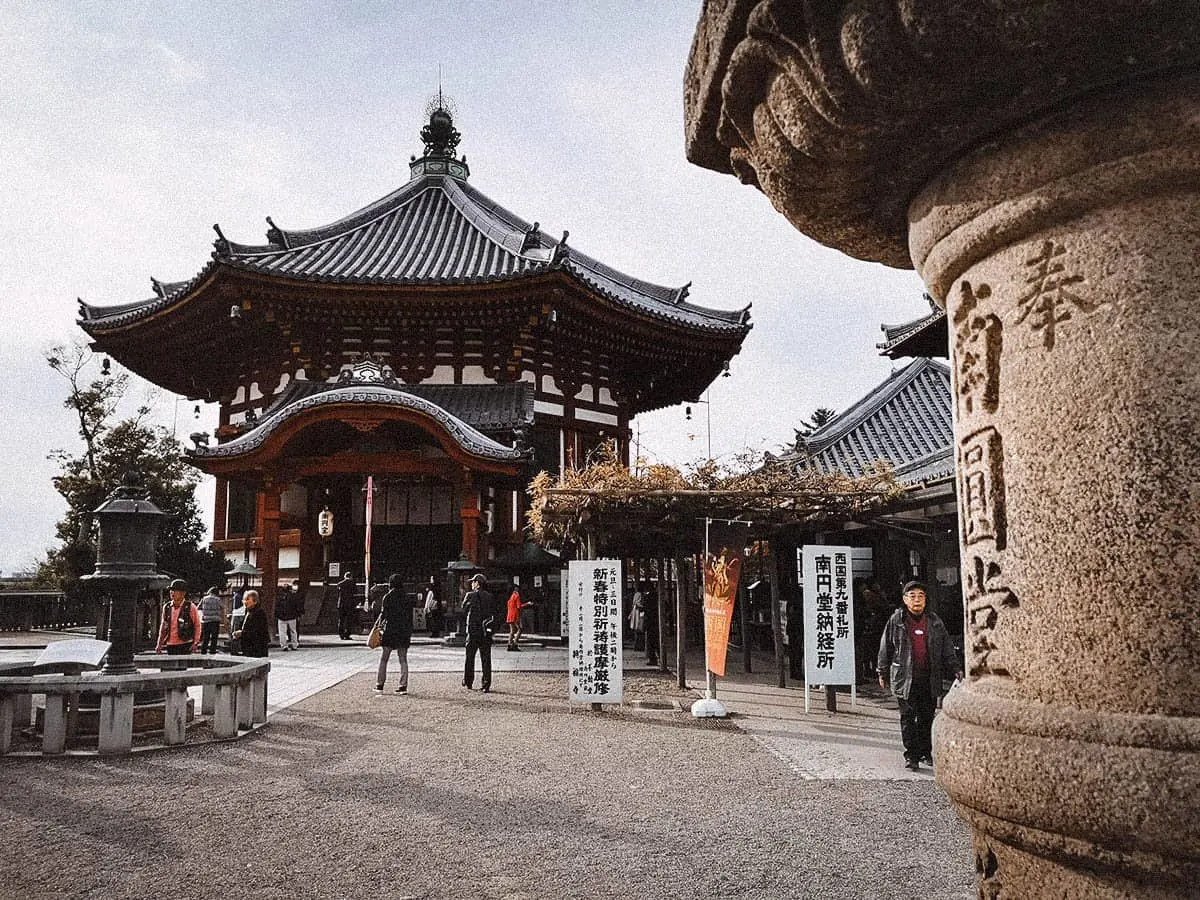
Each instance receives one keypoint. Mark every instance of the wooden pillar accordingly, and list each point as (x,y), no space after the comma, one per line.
(744,623)
(662,566)
(221,509)
(777,620)
(470,515)
(268,561)
(680,626)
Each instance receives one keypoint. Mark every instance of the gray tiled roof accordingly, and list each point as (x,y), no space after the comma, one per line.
(906,421)
(435,230)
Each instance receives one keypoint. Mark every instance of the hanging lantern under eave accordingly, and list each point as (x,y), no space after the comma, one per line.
(325,523)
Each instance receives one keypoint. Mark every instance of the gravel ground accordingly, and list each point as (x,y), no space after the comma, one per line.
(446,793)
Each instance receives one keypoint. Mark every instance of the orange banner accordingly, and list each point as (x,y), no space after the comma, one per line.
(720,591)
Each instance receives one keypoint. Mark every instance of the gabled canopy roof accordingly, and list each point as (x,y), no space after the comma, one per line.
(906,421)
(371,390)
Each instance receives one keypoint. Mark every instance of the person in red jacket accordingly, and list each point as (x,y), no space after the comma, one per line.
(515,605)
(179,627)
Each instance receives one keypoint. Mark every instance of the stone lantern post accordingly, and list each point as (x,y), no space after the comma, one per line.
(1039,165)
(125,564)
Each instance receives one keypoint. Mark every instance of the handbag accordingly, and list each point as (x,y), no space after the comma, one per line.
(375,638)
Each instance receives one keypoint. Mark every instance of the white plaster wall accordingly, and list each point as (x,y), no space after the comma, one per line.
(474,375)
(601,418)
(441,375)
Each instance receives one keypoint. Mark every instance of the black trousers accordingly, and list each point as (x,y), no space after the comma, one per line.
(483,644)
(209,632)
(916,720)
(347,622)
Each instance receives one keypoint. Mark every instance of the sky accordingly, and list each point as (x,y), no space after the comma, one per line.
(127,130)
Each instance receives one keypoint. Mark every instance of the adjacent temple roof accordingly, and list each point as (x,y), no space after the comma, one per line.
(435,230)
(926,336)
(905,421)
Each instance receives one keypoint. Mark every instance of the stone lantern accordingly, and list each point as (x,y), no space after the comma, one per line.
(1039,165)
(128,526)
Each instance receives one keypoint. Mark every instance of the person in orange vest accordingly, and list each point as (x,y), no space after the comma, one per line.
(515,605)
(179,627)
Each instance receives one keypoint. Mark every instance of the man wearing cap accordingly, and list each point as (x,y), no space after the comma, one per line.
(915,653)
(179,628)
(480,613)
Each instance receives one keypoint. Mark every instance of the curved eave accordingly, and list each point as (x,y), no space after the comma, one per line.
(263,443)
(98,320)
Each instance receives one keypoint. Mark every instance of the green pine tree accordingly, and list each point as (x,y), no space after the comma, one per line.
(111,447)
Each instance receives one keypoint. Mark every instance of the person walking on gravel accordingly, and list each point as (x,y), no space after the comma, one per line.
(397,634)
(346,607)
(914,654)
(210,621)
(515,605)
(478,608)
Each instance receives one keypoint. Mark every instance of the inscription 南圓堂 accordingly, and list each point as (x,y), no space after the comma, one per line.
(978,343)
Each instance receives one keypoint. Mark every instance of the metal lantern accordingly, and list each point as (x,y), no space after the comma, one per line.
(125,564)
(128,525)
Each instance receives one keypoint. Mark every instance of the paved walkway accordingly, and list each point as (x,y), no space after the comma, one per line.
(860,742)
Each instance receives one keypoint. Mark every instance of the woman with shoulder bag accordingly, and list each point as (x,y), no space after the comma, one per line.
(397,633)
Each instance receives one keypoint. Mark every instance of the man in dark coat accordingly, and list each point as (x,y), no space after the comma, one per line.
(346,607)
(480,612)
(255,634)
(397,633)
(915,653)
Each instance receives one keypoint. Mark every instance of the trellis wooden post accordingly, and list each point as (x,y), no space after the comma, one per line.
(776,619)
(680,626)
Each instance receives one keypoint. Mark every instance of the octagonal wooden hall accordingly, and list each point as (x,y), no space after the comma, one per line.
(433,340)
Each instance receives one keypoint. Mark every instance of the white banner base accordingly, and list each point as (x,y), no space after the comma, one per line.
(708,708)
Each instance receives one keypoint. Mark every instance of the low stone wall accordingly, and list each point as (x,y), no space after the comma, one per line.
(234,697)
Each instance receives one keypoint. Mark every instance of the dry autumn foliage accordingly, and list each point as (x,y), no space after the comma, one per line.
(607,493)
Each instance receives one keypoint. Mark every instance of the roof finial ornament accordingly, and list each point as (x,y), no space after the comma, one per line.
(276,235)
(440,136)
(221,243)
(561,250)
(533,238)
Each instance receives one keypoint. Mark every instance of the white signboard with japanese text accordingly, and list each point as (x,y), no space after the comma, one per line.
(828,615)
(594,658)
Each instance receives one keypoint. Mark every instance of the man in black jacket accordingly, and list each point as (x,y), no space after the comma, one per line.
(915,653)
(346,607)
(480,611)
